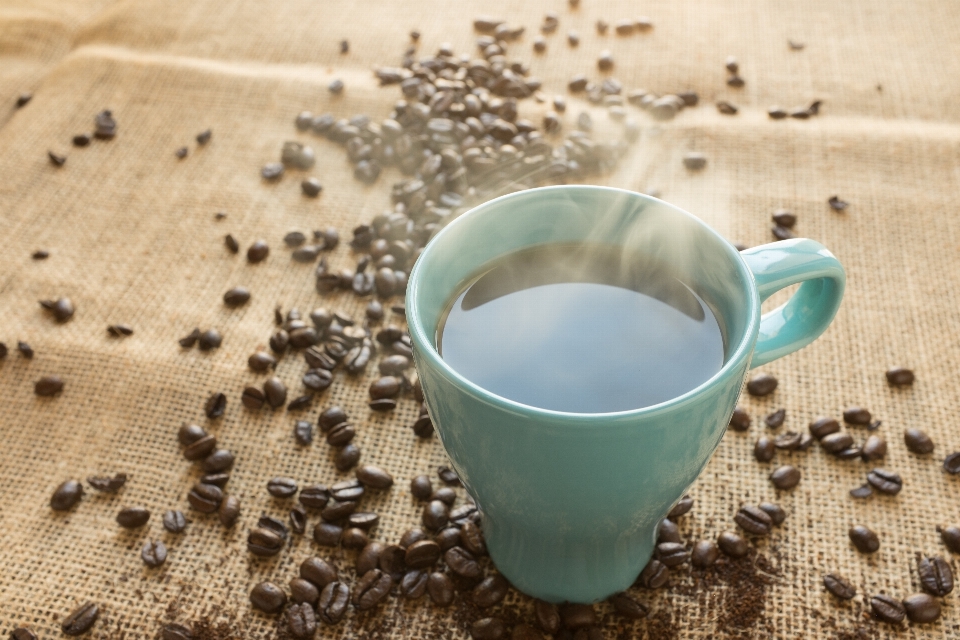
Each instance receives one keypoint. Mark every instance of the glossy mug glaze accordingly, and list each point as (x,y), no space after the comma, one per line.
(571,502)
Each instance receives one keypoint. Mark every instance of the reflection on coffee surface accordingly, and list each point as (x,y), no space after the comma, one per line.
(581,328)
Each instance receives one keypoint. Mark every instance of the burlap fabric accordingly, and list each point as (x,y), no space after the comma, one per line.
(133,239)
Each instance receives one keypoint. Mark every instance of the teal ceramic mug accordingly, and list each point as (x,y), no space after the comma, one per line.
(570,503)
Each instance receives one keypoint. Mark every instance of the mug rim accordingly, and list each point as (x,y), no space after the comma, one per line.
(428,350)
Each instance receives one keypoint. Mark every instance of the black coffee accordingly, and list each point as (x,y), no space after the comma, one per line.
(581,328)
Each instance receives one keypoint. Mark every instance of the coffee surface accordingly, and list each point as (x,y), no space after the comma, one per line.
(581,328)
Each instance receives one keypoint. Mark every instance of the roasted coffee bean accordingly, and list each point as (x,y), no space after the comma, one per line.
(899,376)
(856,415)
(392,560)
(66,495)
(753,520)
(885,481)
(411,536)
(201,447)
(761,385)
(341,434)
(303,432)
(174,631)
(921,608)
(836,442)
(465,512)
(837,204)
(81,140)
(775,511)
(363,520)
(347,490)
(951,464)
(205,498)
(181,153)
(421,488)
(694,161)
(273,524)
(839,587)
(301,621)
(413,585)
(318,359)
(346,457)
(252,398)
(298,519)
(740,420)
(863,491)
(133,517)
(918,441)
(153,553)
(785,477)
(261,361)
(317,379)
(374,477)
(354,538)
(383,404)
(108,484)
(446,495)
(174,521)
(218,461)
(294,239)
(385,387)
(275,392)
(785,219)
(577,616)
(423,427)
(865,540)
(331,417)
(668,532)
(236,297)
(264,542)
(950,537)
(374,310)
(472,538)
(119,330)
(654,575)
(875,448)
(547,616)
(369,557)
(440,588)
(422,554)
(318,572)
(394,365)
(936,576)
(775,419)
(732,544)
(887,609)
(849,453)
(489,628)
(462,562)
(448,537)
(62,308)
(726,108)
(268,597)
(218,479)
(311,187)
(303,337)
(491,590)
(25,349)
(3,350)
(48,386)
(435,515)
(672,554)
(105,126)
(279,341)
(215,405)
(682,507)
(80,619)
(627,607)
(764,449)
(232,245)
(705,553)
(789,441)
(337,510)
(229,511)
(300,403)
(258,251)
(314,496)
(371,588)
(191,339)
(204,137)
(449,477)
(333,602)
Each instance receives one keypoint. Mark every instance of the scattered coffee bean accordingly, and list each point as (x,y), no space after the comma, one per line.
(487,629)
(421,488)
(236,297)
(732,544)
(25,349)
(174,631)
(346,457)
(275,392)
(864,491)
(204,137)
(837,204)
(80,619)
(764,449)
(875,448)
(261,361)
(753,520)
(776,113)
(268,597)
(887,609)
(205,498)
(272,171)
(681,508)
(547,616)
(174,521)
(422,554)
(215,406)
(577,616)
(785,477)
(865,540)
(119,330)
(761,385)
(153,553)
(654,575)
(449,477)
(332,606)
(106,484)
(775,511)
(672,554)
(900,376)
(56,159)
(856,415)
(264,542)
(838,587)
(921,608)
(667,531)
(311,187)
(300,403)
(371,589)
(694,161)
(435,515)
(66,495)
(445,495)
(81,140)
(199,447)
(462,562)
(133,517)
(491,590)
(784,218)
(951,538)
(105,127)
(301,621)
(217,479)
(936,576)
(740,420)
(789,441)
(918,441)
(229,511)
(705,553)
(48,386)
(191,339)
(727,108)
(341,434)
(885,481)
(951,464)
(781,233)
(775,420)
(181,153)
(210,339)
(836,442)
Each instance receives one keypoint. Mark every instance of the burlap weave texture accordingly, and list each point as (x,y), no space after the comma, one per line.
(133,239)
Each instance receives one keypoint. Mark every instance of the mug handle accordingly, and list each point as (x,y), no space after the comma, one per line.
(807,314)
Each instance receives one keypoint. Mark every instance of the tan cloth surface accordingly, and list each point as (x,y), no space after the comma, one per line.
(133,239)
